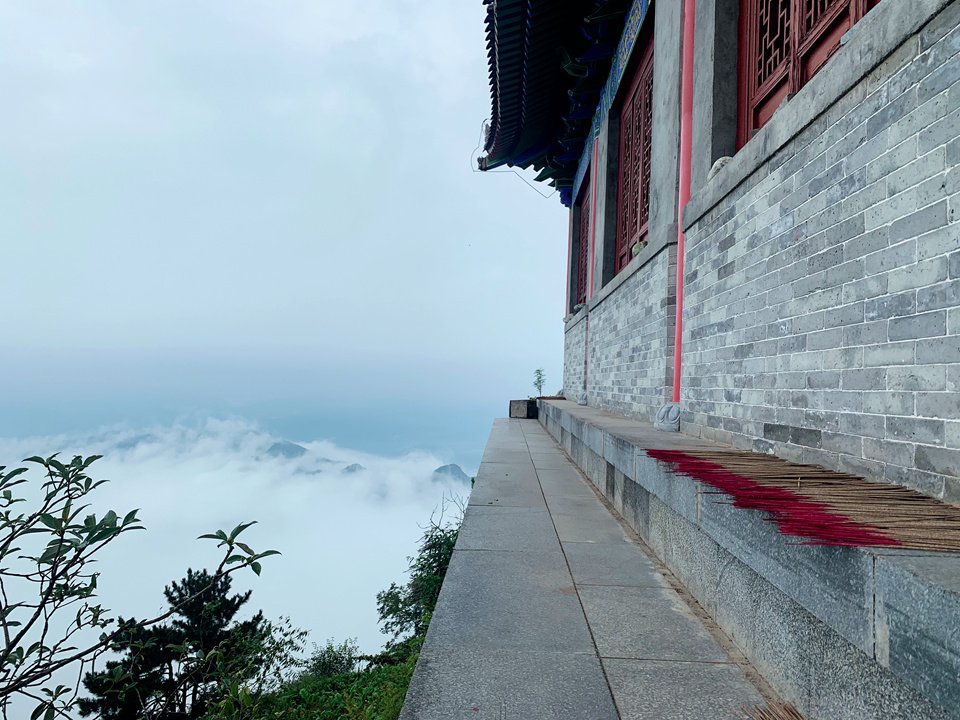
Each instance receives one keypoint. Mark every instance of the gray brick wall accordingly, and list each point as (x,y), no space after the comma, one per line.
(822,300)
(631,341)
(573,348)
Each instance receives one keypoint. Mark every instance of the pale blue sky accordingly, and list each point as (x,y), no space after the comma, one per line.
(265,209)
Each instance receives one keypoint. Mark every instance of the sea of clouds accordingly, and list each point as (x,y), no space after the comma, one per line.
(345,521)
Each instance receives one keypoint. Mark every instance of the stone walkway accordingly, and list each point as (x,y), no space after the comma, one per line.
(551,610)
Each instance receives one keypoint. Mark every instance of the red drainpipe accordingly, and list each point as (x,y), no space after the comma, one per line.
(590,258)
(593,212)
(686,142)
(569,276)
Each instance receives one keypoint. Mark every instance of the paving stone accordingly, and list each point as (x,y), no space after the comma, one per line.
(509,601)
(587,525)
(506,485)
(646,623)
(515,529)
(472,684)
(622,564)
(508,456)
(647,690)
(550,461)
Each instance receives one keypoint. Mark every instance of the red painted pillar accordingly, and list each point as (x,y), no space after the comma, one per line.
(686,142)
(567,305)
(593,215)
(590,260)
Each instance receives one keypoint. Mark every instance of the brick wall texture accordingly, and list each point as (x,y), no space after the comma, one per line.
(573,349)
(822,297)
(631,341)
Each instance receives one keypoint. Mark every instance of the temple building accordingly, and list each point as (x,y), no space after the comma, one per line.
(780,258)
(761,335)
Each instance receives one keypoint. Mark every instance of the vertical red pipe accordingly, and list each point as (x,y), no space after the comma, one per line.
(593,213)
(593,245)
(686,142)
(567,306)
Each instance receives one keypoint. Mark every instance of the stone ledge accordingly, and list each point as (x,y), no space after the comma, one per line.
(654,247)
(900,610)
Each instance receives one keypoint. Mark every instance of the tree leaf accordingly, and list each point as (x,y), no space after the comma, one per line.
(239,529)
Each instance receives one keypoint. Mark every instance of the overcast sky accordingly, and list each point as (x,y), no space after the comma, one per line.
(265,210)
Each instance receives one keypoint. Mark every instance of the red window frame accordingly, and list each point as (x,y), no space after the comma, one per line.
(633,173)
(784,43)
(583,245)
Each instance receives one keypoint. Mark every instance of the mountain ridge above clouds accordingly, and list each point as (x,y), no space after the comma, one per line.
(193,478)
(286,449)
(449,472)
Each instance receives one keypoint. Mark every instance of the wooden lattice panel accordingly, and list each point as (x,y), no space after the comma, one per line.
(772,38)
(783,43)
(633,183)
(646,139)
(626,188)
(814,10)
(583,245)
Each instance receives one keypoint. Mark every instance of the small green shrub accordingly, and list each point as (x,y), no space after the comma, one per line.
(538,380)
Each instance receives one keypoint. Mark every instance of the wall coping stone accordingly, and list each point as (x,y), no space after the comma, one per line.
(654,247)
(574,319)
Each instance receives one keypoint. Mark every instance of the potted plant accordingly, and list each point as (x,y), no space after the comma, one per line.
(528,409)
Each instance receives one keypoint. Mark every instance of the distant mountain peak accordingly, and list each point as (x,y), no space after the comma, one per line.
(451,472)
(286,449)
(354,468)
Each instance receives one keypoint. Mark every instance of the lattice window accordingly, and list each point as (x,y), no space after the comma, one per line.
(583,245)
(773,38)
(813,11)
(783,43)
(633,183)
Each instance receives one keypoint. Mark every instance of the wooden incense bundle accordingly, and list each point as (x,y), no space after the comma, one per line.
(822,506)
(776,711)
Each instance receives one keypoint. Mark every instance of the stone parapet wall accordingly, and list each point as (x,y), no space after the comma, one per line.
(822,295)
(844,633)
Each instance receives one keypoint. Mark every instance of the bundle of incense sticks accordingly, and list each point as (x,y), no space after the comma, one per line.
(777,711)
(821,506)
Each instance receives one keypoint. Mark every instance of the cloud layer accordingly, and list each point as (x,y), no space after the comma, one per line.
(344,520)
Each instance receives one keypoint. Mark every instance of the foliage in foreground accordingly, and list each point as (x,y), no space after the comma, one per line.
(334,686)
(50,618)
(202,664)
(174,669)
